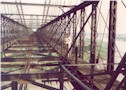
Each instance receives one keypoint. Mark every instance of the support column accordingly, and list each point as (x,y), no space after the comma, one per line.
(68,37)
(93,40)
(76,54)
(74,30)
(14,85)
(61,78)
(112,35)
(2,32)
(125,84)
(81,47)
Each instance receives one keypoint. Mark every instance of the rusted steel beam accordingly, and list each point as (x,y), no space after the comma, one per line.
(33,51)
(14,85)
(61,79)
(32,65)
(55,80)
(103,73)
(76,55)
(31,76)
(93,34)
(74,33)
(41,85)
(93,40)
(50,58)
(82,35)
(38,4)
(30,46)
(29,14)
(112,34)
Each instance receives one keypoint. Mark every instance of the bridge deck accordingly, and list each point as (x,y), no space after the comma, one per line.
(100,81)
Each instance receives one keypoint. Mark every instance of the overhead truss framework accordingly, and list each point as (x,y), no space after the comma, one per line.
(112,34)
(23,16)
(37,4)
(30,14)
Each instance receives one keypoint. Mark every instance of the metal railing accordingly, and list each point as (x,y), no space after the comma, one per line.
(11,31)
(64,32)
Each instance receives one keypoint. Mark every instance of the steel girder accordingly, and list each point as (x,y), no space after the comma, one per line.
(82,35)
(30,76)
(112,34)
(51,58)
(37,4)
(93,40)
(41,85)
(29,14)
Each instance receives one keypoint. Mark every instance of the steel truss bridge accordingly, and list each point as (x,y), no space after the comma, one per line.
(45,54)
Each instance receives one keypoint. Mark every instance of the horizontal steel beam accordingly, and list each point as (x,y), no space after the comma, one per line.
(29,14)
(90,64)
(35,22)
(31,59)
(31,65)
(31,19)
(33,51)
(30,46)
(55,80)
(40,85)
(102,73)
(37,4)
(31,76)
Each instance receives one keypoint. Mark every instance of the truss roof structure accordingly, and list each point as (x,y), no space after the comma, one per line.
(35,13)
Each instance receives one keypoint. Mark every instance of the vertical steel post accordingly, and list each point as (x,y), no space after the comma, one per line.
(112,35)
(125,83)
(14,85)
(1,33)
(74,30)
(4,31)
(68,37)
(76,54)
(93,39)
(125,76)
(61,78)
(7,29)
(81,47)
